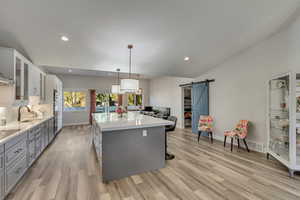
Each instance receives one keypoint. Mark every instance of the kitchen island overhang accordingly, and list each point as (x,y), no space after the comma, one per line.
(128,145)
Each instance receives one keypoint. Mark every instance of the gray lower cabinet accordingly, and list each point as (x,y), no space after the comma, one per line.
(19,153)
(31,149)
(52,127)
(15,152)
(38,143)
(51,130)
(46,134)
(14,173)
(2,186)
(15,160)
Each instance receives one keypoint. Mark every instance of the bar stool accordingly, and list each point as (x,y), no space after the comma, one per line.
(170,128)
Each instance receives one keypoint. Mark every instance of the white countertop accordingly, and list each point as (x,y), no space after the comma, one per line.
(20,128)
(130,120)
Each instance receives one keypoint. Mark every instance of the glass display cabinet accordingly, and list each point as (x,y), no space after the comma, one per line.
(284,120)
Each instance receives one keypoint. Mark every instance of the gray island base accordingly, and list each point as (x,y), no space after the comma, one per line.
(129,145)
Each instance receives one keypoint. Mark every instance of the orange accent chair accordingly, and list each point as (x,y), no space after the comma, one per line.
(240,132)
(205,125)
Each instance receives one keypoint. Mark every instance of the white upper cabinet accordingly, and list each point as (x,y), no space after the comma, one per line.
(25,81)
(42,85)
(7,63)
(24,75)
(34,81)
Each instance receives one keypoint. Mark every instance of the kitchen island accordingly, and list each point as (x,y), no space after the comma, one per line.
(128,145)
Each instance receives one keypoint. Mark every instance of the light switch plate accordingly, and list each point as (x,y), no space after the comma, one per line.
(144,132)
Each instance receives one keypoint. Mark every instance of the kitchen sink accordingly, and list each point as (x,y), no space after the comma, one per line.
(27,120)
(7,132)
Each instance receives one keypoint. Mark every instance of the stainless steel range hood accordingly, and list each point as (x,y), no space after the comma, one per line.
(5,81)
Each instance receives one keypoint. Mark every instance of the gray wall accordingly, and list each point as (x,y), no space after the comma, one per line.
(165,91)
(240,90)
(84,83)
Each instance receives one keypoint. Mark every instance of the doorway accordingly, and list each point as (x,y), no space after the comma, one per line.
(187,106)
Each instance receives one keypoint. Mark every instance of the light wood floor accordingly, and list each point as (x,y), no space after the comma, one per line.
(68,170)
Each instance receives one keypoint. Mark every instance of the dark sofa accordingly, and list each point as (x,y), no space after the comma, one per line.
(157,111)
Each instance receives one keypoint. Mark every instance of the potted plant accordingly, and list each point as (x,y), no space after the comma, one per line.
(120,110)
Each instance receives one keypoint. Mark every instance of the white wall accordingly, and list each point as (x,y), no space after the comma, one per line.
(240,90)
(84,83)
(165,91)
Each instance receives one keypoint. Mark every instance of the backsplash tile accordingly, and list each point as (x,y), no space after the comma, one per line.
(11,113)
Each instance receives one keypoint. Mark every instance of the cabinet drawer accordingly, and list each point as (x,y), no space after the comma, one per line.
(15,140)
(2,186)
(1,148)
(38,146)
(31,140)
(38,134)
(31,152)
(31,133)
(16,151)
(38,128)
(45,140)
(1,161)
(14,173)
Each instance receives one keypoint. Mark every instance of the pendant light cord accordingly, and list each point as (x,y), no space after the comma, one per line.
(130,63)
(130,46)
(118,75)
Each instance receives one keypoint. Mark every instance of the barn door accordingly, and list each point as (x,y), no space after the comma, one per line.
(200,103)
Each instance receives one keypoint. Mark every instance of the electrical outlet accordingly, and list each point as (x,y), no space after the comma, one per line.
(144,132)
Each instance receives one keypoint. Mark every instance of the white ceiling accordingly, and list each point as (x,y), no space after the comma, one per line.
(163,32)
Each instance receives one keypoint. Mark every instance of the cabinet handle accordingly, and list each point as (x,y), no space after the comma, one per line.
(18,170)
(18,151)
(2,162)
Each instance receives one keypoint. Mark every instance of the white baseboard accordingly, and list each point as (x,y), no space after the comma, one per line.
(254,146)
(78,123)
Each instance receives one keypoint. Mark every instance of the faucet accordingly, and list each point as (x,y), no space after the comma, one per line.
(19,112)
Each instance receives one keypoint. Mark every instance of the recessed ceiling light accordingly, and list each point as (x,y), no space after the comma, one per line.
(70,70)
(64,38)
(186,58)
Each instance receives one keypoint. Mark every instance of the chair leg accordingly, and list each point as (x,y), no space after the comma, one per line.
(238,140)
(231,144)
(199,134)
(225,137)
(246,145)
(211,136)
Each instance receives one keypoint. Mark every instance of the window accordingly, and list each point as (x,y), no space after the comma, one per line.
(131,101)
(74,101)
(135,101)
(106,100)
(139,100)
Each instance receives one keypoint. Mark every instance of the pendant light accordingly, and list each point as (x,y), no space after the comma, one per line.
(140,90)
(129,85)
(115,88)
